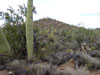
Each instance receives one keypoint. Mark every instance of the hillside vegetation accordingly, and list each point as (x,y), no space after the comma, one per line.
(50,34)
(60,49)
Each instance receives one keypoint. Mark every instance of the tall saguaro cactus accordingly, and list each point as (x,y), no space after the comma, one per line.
(29,29)
(4,45)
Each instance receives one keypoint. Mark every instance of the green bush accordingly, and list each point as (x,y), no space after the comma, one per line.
(15,35)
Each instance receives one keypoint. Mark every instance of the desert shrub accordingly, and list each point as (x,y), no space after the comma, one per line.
(79,34)
(82,71)
(72,45)
(43,68)
(16,37)
(14,29)
(43,44)
(23,67)
(85,35)
(57,58)
(66,71)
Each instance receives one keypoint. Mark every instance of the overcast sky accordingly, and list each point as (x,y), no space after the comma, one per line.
(69,11)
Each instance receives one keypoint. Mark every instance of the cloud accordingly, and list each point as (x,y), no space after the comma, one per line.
(89,14)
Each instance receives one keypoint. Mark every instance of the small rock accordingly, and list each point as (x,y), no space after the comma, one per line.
(10,73)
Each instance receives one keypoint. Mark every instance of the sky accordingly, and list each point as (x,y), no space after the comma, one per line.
(84,13)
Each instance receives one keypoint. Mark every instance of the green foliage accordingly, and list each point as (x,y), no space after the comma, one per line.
(14,28)
(89,65)
(4,45)
(44,44)
(80,34)
(14,18)
(15,35)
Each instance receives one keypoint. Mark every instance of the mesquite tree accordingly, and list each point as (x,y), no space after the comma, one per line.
(29,29)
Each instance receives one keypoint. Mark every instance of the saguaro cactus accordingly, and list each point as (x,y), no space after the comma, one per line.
(4,46)
(29,29)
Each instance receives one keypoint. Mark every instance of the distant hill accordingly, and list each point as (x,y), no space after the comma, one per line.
(66,35)
(48,22)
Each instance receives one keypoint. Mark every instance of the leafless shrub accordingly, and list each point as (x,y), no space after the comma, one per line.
(66,71)
(82,71)
(58,58)
(43,69)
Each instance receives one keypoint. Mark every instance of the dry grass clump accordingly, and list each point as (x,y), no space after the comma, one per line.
(66,71)
(82,71)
